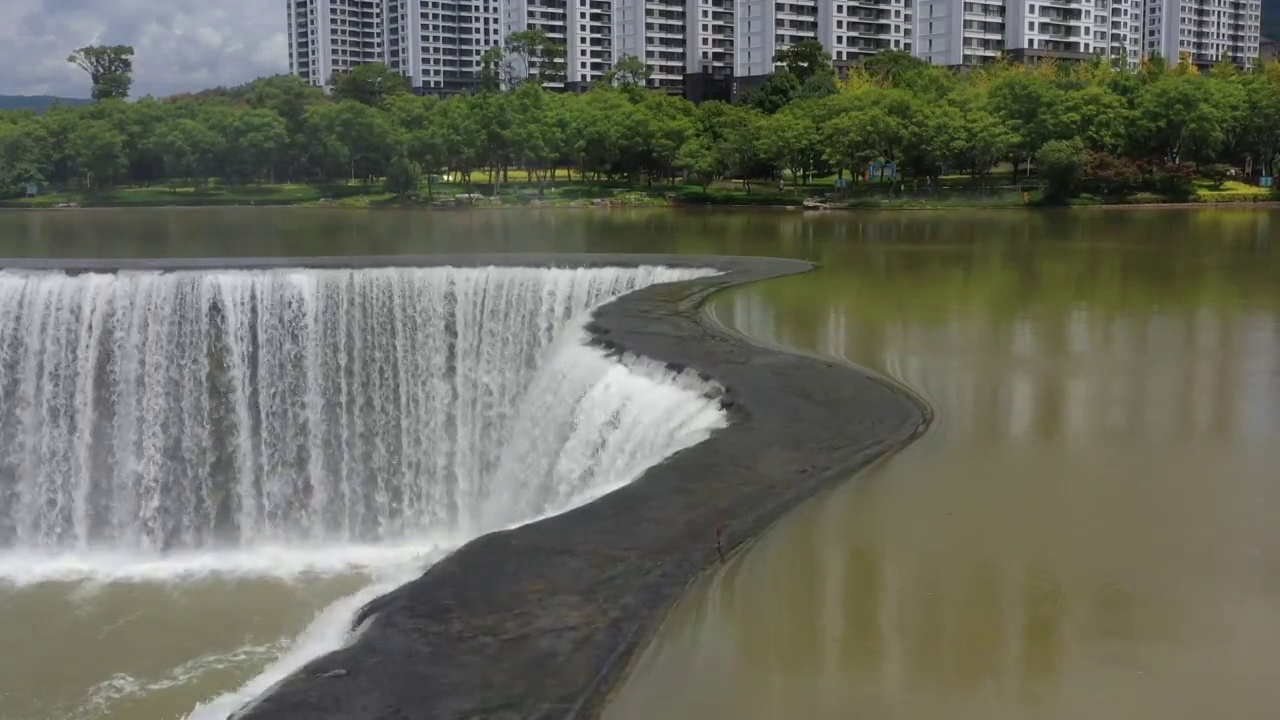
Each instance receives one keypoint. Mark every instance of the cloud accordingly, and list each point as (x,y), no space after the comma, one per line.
(180,45)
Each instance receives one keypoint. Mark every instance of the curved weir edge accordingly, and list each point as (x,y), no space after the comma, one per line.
(543,620)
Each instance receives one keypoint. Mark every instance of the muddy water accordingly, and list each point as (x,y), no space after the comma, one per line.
(1088,530)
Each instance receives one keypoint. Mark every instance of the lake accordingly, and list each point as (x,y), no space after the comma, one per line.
(1087,529)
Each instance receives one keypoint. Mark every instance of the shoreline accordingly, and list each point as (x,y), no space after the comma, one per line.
(604,207)
(545,619)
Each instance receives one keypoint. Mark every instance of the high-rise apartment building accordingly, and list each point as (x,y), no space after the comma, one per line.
(972,32)
(656,31)
(849,29)
(584,27)
(1203,31)
(710,35)
(438,44)
(333,36)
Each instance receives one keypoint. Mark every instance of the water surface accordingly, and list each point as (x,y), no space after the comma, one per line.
(1086,531)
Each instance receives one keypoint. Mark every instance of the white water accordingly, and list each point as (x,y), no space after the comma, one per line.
(160,426)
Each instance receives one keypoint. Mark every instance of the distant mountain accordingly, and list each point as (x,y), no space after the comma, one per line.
(39,103)
(1271,19)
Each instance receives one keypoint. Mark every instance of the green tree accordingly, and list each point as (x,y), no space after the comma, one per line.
(110,69)
(25,155)
(189,149)
(530,54)
(253,142)
(369,84)
(806,60)
(348,136)
(1061,163)
(701,162)
(1025,100)
(778,91)
(790,141)
(629,72)
(403,176)
(98,151)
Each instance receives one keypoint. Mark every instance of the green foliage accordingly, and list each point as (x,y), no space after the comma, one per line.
(1080,128)
(403,176)
(369,84)
(701,162)
(1062,164)
(110,68)
(806,60)
(629,72)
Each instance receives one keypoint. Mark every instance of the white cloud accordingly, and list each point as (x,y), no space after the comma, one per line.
(180,45)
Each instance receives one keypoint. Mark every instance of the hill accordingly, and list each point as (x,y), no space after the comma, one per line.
(1271,19)
(39,103)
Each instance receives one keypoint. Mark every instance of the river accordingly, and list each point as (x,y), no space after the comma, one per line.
(1086,530)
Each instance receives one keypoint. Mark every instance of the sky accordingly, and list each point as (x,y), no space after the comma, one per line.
(180,45)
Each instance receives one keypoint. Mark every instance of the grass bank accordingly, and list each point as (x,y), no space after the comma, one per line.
(518,191)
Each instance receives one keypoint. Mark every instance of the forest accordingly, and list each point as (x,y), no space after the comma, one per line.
(1069,127)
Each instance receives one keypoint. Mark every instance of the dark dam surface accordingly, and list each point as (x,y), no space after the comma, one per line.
(543,620)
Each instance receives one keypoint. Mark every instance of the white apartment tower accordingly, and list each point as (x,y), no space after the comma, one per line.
(655,31)
(585,27)
(972,32)
(710,30)
(333,36)
(849,29)
(438,44)
(1203,31)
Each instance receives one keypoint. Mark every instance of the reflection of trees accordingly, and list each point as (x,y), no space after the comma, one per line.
(1056,341)
(1036,528)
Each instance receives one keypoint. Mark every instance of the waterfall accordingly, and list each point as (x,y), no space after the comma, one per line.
(228,410)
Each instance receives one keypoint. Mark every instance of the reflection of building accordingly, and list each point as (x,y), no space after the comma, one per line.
(973,32)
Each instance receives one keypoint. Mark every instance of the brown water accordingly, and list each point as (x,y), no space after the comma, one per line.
(1086,531)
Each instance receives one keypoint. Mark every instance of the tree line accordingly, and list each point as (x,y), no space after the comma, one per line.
(1076,126)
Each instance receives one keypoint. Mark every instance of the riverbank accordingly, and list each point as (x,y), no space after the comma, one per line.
(543,620)
(606,195)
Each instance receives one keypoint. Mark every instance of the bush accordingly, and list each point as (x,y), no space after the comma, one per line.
(1176,180)
(1218,174)
(1061,163)
(403,176)
(1112,176)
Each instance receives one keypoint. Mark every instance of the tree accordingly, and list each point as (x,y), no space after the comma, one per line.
(349,136)
(778,91)
(629,72)
(24,156)
(369,84)
(1061,163)
(110,68)
(189,149)
(403,176)
(98,151)
(895,68)
(254,140)
(530,54)
(805,60)
(790,141)
(701,163)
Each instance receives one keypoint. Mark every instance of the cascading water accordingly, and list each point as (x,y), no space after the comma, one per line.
(164,411)
(155,425)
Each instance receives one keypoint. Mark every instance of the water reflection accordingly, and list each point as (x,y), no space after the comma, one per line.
(1084,533)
